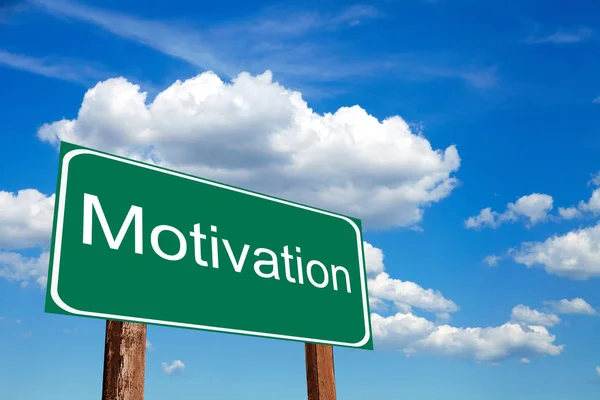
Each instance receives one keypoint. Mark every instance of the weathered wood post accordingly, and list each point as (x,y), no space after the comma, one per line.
(124,361)
(320,372)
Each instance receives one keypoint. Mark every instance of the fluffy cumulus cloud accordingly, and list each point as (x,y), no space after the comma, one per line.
(574,255)
(15,267)
(486,217)
(405,295)
(374,259)
(255,133)
(525,315)
(492,343)
(400,331)
(413,334)
(573,306)
(533,208)
(569,213)
(25,219)
(25,224)
(403,330)
(175,367)
(593,204)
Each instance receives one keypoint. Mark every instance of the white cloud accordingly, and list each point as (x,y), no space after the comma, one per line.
(405,295)
(15,267)
(525,360)
(593,204)
(574,255)
(25,219)
(598,371)
(490,344)
(175,367)
(485,217)
(148,345)
(25,223)
(492,260)
(525,315)
(569,213)
(376,304)
(399,331)
(256,134)
(574,306)
(412,334)
(373,259)
(534,208)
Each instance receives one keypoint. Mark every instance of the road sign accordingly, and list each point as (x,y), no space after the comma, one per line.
(139,243)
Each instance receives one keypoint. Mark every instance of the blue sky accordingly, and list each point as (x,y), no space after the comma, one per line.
(464,134)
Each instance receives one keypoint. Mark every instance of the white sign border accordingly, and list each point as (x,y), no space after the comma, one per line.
(58,242)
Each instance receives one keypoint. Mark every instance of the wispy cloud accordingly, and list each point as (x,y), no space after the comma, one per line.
(10,7)
(177,41)
(297,46)
(492,260)
(59,68)
(229,48)
(562,36)
(280,21)
(415,67)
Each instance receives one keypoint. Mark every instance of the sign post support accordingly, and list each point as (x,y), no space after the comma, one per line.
(320,372)
(124,361)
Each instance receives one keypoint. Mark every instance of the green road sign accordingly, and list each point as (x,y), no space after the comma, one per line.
(139,243)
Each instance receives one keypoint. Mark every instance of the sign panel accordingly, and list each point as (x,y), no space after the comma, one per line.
(140,243)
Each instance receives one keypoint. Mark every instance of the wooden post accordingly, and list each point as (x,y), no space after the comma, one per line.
(320,372)
(124,361)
